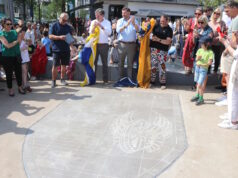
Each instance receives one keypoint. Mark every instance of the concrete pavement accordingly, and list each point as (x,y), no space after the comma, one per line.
(212,152)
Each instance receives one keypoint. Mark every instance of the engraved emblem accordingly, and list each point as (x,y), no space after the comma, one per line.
(133,135)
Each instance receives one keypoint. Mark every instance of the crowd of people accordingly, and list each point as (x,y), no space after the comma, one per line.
(206,44)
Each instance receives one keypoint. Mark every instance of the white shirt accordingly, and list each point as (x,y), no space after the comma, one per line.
(129,33)
(104,34)
(24,53)
(226,19)
(235,54)
(29,35)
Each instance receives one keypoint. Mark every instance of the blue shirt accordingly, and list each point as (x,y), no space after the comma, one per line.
(129,33)
(46,42)
(58,30)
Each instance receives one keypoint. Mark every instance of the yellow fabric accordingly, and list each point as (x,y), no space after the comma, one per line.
(144,71)
(94,35)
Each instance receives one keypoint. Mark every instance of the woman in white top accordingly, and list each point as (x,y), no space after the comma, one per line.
(25,62)
(232,93)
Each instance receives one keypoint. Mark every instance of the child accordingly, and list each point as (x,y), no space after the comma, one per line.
(46,42)
(25,61)
(71,67)
(204,58)
(172,54)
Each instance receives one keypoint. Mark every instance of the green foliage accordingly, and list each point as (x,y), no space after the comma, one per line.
(212,3)
(50,11)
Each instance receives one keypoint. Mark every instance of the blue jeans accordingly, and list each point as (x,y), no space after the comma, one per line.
(200,74)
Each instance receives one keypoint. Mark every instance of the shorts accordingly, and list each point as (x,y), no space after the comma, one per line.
(200,75)
(226,62)
(61,58)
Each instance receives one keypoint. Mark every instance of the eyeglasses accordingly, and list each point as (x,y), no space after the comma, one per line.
(201,22)
(217,13)
(8,24)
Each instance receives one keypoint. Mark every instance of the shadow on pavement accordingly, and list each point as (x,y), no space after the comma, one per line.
(10,126)
(16,108)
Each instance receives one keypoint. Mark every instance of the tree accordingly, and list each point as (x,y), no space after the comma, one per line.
(52,10)
(212,3)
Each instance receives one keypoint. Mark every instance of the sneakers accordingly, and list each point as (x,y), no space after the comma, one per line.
(226,124)
(199,101)
(33,78)
(222,103)
(224,116)
(222,98)
(53,83)
(195,98)
(63,82)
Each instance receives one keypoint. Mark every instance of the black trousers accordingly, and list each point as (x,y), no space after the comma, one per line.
(11,64)
(218,52)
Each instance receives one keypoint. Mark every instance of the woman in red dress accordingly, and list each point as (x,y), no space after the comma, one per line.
(190,26)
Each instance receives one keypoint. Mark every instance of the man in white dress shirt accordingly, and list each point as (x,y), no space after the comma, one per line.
(102,46)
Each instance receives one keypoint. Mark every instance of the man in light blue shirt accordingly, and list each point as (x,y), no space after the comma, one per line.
(126,29)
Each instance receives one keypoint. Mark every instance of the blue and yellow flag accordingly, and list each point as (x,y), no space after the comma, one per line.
(144,70)
(88,55)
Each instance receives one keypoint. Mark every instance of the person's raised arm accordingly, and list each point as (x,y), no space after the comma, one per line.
(107,29)
(10,45)
(133,22)
(229,48)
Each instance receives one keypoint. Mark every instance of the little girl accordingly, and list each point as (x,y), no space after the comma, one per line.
(204,58)
(25,61)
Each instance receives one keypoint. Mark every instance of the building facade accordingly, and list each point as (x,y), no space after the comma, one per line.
(13,10)
(176,8)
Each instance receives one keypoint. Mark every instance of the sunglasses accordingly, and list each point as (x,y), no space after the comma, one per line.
(197,13)
(8,24)
(201,22)
(217,13)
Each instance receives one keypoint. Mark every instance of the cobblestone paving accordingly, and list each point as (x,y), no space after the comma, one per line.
(106,133)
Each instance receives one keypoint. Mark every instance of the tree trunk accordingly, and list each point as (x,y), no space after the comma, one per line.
(63,6)
(24,9)
(32,11)
(39,11)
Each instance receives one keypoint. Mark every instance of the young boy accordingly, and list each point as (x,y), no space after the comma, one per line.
(204,58)
(46,42)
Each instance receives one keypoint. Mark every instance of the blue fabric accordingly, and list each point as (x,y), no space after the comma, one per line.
(125,82)
(200,75)
(80,57)
(172,50)
(46,42)
(85,56)
(58,30)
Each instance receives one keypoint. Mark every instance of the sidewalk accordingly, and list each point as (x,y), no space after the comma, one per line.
(212,152)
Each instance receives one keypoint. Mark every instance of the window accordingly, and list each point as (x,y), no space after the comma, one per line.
(2,10)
